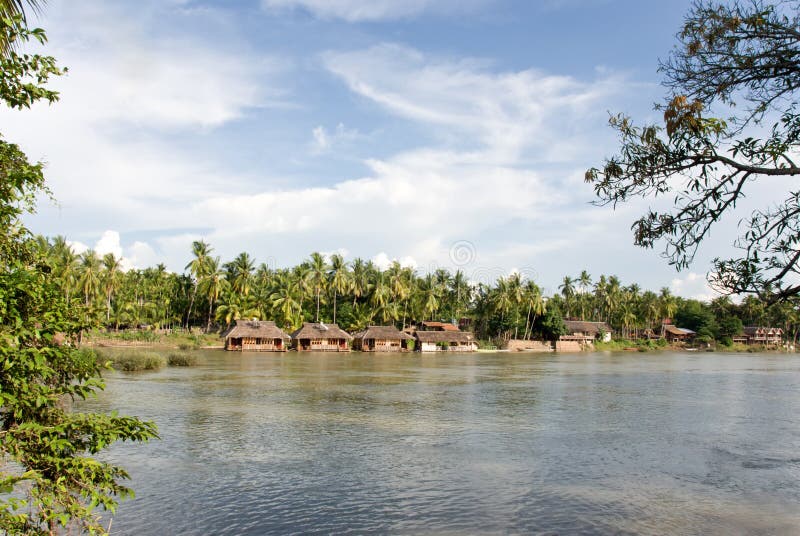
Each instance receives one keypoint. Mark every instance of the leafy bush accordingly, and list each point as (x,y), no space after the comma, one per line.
(181,359)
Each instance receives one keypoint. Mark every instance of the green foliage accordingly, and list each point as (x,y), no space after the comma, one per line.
(696,316)
(140,336)
(181,359)
(49,477)
(552,324)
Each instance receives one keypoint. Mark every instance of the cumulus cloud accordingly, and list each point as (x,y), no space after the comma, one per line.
(693,285)
(383,261)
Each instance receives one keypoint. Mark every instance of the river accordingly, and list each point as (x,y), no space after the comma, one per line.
(662,443)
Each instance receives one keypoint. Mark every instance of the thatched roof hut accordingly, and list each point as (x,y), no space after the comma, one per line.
(581,330)
(434,341)
(314,336)
(675,334)
(381,339)
(256,335)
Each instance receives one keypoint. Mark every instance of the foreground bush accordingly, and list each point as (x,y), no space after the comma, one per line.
(180,359)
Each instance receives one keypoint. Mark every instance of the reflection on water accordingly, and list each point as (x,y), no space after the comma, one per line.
(490,443)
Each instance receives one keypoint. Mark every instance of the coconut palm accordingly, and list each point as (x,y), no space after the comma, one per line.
(567,288)
(316,276)
(111,279)
(197,269)
(339,279)
(213,285)
(89,278)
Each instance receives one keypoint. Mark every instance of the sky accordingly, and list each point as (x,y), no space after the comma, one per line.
(441,133)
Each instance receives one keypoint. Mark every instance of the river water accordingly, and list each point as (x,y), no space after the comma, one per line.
(666,443)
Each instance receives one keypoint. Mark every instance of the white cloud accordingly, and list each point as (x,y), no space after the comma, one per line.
(108,141)
(142,255)
(693,285)
(507,112)
(77,247)
(383,261)
(324,141)
(372,10)
(109,243)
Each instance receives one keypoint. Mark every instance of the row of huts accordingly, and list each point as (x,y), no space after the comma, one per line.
(266,336)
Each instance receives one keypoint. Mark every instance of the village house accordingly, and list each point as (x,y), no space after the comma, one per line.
(445,341)
(319,337)
(586,332)
(256,336)
(674,334)
(761,335)
(381,339)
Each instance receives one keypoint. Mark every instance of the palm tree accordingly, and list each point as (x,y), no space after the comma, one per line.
(360,279)
(112,268)
(89,278)
(567,288)
(339,279)
(316,276)
(532,295)
(241,269)
(13,8)
(428,296)
(213,285)
(197,269)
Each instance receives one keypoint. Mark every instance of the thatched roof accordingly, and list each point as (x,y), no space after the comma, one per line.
(445,336)
(260,329)
(382,333)
(314,330)
(674,330)
(591,328)
(443,326)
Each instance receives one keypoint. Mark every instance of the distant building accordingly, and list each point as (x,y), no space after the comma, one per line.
(586,332)
(674,334)
(319,337)
(256,336)
(439,326)
(445,341)
(761,335)
(381,339)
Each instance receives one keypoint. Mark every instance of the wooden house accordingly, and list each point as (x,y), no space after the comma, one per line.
(256,336)
(586,332)
(381,339)
(445,341)
(762,335)
(319,337)
(674,334)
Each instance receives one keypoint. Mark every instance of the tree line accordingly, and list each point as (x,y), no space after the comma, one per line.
(212,294)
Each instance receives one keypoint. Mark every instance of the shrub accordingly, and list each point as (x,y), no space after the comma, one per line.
(180,359)
(135,361)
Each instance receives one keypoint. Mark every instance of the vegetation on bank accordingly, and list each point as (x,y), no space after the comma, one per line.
(156,306)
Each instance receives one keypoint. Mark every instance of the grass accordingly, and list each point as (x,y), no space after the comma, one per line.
(133,360)
(181,359)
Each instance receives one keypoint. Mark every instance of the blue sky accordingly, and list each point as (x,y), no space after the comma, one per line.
(441,133)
